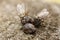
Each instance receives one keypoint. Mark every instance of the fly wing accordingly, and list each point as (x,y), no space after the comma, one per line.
(21,8)
(43,13)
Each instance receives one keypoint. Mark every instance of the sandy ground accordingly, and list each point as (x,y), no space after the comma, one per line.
(10,23)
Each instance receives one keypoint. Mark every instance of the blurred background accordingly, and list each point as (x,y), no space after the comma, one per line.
(12,10)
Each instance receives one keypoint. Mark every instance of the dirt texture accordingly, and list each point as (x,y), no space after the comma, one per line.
(10,21)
